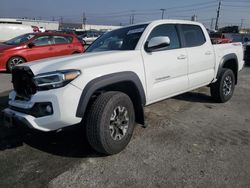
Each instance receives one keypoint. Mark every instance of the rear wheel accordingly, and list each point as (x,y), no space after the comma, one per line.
(222,90)
(110,123)
(13,62)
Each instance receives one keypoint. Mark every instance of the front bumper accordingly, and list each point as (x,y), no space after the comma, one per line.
(64,101)
(3,62)
(12,118)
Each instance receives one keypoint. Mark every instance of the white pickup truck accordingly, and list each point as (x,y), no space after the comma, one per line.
(124,70)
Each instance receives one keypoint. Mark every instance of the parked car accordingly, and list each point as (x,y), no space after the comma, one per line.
(238,37)
(219,38)
(106,88)
(247,54)
(34,46)
(67,31)
(90,36)
(9,31)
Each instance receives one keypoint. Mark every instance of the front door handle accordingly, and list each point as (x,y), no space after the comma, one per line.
(181,57)
(208,53)
(50,48)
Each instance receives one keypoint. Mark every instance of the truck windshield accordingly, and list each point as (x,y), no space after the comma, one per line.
(120,39)
(20,39)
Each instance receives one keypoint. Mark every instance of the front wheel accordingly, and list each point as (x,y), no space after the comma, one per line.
(110,123)
(222,90)
(14,61)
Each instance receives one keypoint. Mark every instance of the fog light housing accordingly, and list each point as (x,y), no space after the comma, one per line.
(42,109)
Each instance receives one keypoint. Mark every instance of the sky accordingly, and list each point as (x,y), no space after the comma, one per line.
(116,12)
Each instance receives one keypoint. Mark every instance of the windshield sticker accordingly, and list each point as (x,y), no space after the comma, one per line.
(138,30)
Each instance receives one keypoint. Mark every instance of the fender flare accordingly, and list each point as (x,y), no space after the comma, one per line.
(224,59)
(107,80)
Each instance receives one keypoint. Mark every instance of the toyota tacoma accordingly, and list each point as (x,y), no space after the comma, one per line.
(106,89)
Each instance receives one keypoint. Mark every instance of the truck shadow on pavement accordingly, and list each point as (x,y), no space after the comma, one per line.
(195,97)
(247,65)
(70,143)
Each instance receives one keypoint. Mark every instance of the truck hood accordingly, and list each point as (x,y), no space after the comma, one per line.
(80,61)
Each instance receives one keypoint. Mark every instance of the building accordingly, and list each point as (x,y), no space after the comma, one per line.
(55,25)
(245,31)
(99,27)
(70,26)
(47,25)
(85,27)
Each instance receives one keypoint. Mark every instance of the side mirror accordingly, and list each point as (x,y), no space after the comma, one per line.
(31,45)
(157,43)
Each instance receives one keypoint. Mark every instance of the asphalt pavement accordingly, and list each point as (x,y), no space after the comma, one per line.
(190,141)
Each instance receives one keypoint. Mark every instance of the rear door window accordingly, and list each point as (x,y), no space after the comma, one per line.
(193,35)
(62,40)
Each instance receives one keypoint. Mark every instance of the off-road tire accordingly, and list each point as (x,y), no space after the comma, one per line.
(98,122)
(216,88)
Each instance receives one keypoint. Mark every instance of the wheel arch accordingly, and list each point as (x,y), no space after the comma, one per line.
(126,82)
(229,61)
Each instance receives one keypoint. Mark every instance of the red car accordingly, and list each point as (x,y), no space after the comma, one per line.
(34,46)
(219,38)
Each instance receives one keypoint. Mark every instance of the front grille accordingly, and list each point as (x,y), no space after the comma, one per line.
(22,79)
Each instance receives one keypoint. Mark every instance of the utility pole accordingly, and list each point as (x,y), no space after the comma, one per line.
(162,12)
(84,19)
(194,18)
(241,23)
(61,22)
(132,17)
(218,15)
(212,23)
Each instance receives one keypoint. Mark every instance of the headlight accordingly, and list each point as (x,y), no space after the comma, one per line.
(57,79)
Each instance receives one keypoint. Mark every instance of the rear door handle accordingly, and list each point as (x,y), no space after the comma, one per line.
(181,57)
(50,48)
